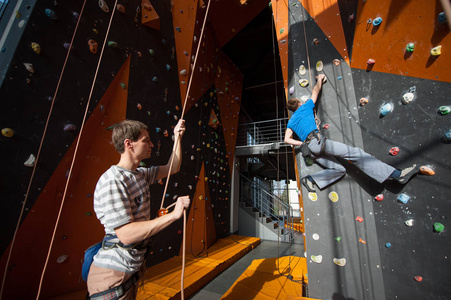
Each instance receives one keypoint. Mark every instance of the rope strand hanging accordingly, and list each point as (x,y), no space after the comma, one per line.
(76,150)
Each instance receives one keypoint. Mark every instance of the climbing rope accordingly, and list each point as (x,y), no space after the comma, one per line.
(76,150)
(39,152)
(173,155)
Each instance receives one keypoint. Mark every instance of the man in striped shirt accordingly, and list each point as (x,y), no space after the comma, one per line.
(122,204)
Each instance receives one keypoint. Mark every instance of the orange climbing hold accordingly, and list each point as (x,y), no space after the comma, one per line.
(93,46)
(162,212)
(427,170)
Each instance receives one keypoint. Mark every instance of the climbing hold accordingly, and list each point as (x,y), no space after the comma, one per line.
(404,198)
(157,129)
(302,70)
(363,101)
(21,24)
(36,47)
(337,62)
(377,21)
(394,151)
(92,46)
(418,278)
(112,44)
(379,197)
(326,126)
(120,8)
(385,109)
(371,62)
(410,47)
(168,67)
(438,227)
(178,29)
(339,78)
(162,212)
(104,6)
(444,110)
(281,30)
(155,79)
(151,52)
(362,241)
(409,222)
(338,238)
(317,258)
(30,161)
(426,170)
(292,90)
(319,66)
(313,196)
(69,127)
(442,18)
(387,245)
(351,18)
(29,67)
(139,106)
(315,42)
(183,72)
(436,51)
(315,236)
(333,196)
(51,14)
(340,261)
(359,219)
(446,138)
(61,259)
(407,98)
(303,82)
(123,85)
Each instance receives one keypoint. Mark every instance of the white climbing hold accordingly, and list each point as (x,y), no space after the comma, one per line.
(317,258)
(30,161)
(407,98)
(319,66)
(340,261)
(315,236)
(61,259)
(302,70)
(409,222)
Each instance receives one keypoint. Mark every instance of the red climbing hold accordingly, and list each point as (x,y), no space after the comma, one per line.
(379,197)
(359,219)
(418,278)
(326,126)
(394,151)
(371,62)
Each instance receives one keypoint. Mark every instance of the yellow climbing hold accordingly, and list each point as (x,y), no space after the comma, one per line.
(340,261)
(302,70)
(436,51)
(313,196)
(333,196)
(7,132)
(36,47)
(319,66)
(303,82)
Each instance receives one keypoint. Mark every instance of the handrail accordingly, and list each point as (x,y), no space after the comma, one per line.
(263,132)
(269,205)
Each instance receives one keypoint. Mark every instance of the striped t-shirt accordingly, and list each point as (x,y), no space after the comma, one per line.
(122,196)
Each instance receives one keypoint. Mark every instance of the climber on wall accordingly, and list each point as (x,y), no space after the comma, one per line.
(325,151)
(122,204)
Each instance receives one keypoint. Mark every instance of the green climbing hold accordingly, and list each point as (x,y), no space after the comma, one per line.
(444,110)
(281,30)
(123,85)
(438,227)
(112,44)
(338,238)
(89,214)
(410,47)
(151,52)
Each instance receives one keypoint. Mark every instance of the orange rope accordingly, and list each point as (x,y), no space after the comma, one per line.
(39,150)
(75,152)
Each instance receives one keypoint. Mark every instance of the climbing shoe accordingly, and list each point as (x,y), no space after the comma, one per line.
(407,173)
(309,185)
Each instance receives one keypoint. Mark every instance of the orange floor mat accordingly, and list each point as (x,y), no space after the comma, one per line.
(162,281)
(267,279)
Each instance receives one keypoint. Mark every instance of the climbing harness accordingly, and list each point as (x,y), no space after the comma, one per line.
(116,292)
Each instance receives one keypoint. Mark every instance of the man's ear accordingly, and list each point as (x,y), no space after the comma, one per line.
(127,143)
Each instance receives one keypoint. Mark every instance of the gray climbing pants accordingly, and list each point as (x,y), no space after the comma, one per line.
(333,171)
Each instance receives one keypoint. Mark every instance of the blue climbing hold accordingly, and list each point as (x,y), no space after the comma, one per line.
(385,109)
(51,14)
(339,77)
(377,21)
(403,198)
(442,18)
(387,245)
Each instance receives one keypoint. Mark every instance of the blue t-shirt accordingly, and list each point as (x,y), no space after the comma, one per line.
(302,122)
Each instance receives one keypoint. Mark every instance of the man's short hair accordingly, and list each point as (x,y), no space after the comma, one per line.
(292,104)
(127,129)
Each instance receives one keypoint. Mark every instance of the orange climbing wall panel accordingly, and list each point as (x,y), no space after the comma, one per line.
(327,15)
(149,16)
(78,227)
(200,225)
(404,22)
(280,14)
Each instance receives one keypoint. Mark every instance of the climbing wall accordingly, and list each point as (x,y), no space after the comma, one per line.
(359,246)
(130,62)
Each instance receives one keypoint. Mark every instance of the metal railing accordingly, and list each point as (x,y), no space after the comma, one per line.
(269,206)
(264,132)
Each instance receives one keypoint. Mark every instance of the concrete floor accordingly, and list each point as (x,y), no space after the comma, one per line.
(267,249)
